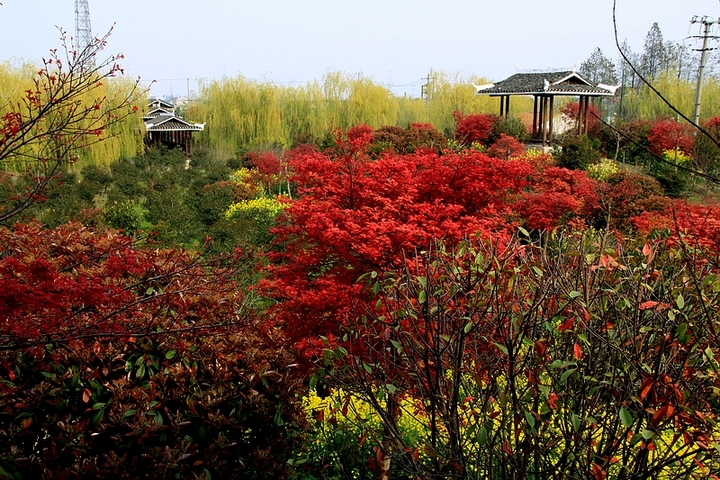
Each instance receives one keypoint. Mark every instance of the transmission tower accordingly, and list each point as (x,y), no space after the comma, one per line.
(83,32)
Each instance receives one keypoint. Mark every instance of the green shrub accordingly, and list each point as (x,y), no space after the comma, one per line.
(578,152)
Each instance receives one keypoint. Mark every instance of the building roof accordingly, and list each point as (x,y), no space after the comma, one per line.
(171,123)
(546,83)
(157,103)
(155,112)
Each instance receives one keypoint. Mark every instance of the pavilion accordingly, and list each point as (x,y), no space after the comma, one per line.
(544,87)
(164,127)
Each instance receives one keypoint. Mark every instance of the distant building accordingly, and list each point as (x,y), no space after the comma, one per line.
(163,126)
(544,87)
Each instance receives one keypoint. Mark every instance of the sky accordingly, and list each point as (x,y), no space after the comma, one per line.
(182,44)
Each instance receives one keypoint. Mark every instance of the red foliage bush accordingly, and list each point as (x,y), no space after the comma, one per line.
(626,195)
(699,224)
(671,135)
(118,361)
(473,128)
(355,214)
(506,147)
(572,111)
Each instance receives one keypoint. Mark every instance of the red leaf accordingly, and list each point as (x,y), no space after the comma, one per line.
(577,352)
(648,305)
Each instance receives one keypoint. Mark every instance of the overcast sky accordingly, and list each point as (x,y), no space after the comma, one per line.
(395,42)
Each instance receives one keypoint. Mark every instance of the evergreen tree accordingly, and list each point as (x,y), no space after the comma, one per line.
(599,69)
(654,56)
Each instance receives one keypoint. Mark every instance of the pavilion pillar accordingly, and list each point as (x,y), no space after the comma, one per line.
(550,115)
(543,124)
(535,115)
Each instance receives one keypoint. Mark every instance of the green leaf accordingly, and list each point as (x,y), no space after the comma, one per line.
(391,388)
(367,368)
(422,296)
(574,294)
(482,436)
(647,434)
(566,374)
(575,421)
(376,288)
(681,332)
(140,372)
(98,416)
(170,354)
(626,417)
(422,281)
(524,232)
(129,414)
(680,301)
(501,347)
(530,418)
(468,327)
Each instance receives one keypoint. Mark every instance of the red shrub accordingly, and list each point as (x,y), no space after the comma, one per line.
(473,128)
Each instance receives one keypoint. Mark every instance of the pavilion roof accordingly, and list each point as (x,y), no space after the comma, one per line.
(171,123)
(546,83)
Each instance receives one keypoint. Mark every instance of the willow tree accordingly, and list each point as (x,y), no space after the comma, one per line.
(447,93)
(644,104)
(240,113)
(305,118)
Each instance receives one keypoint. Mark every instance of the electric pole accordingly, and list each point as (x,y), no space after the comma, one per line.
(706,22)
(425,88)
(83,32)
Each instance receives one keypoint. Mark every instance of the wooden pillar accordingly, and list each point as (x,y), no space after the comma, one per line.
(543,125)
(578,120)
(535,114)
(507,106)
(550,114)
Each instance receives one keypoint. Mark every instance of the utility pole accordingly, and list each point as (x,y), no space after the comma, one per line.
(706,22)
(425,92)
(83,32)
(425,87)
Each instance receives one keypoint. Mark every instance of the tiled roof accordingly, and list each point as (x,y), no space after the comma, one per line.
(156,102)
(171,122)
(155,112)
(557,83)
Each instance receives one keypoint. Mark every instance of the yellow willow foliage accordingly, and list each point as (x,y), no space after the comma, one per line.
(351,101)
(122,139)
(304,118)
(646,105)
(243,114)
(239,113)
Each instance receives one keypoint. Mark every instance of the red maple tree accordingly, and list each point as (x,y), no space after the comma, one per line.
(473,128)
(355,214)
(671,135)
